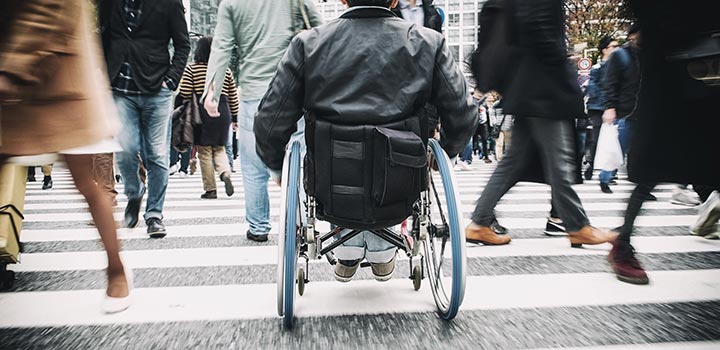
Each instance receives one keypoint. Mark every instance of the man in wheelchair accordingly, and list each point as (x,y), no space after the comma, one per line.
(362,82)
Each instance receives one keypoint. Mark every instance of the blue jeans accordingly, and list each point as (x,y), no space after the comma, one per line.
(184,157)
(254,172)
(229,147)
(145,121)
(625,137)
(467,153)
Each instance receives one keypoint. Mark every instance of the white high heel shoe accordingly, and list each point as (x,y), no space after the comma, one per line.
(113,305)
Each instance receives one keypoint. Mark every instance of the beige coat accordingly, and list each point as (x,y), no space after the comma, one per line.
(65,101)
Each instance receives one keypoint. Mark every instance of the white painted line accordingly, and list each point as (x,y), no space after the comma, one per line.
(267,255)
(207,303)
(700,345)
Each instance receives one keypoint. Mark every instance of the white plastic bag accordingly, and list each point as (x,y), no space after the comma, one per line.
(609,154)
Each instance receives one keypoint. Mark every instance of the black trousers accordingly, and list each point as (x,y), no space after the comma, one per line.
(481,136)
(596,120)
(555,143)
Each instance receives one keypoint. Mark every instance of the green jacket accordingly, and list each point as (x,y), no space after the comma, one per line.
(262,31)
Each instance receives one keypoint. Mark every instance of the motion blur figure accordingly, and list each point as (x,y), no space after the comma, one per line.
(55,99)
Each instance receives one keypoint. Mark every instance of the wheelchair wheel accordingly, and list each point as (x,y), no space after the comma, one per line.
(288,235)
(444,246)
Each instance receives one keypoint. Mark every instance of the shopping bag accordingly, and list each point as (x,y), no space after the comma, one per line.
(609,154)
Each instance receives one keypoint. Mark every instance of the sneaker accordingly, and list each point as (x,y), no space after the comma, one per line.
(553,228)
(346,269)
(463,165)
(229,189)
(684,197)
(173,169)
(626,267)
(605,188)
(155,228)
(193,166)
(383,272)
(257,237)
(47,183)
(487,160)
(499,229)
(715,234)
(209,195)
(181,174)
(708,216)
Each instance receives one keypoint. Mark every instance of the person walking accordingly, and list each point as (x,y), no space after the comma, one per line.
(210,135)
(672,36)
(55,100)
(136,35)
(596,98)
(504,125)
(544,126)
(262,31)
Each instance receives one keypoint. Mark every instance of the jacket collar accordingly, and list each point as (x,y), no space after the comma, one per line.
(367,12)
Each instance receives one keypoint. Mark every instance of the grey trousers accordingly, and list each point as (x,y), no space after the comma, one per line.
(554,141)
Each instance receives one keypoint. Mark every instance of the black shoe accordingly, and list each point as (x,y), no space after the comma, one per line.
(553,228)
(605,188)
(155,228)
(499,229)
(229,189)
(650,197)
(209,195)
(47,182)
(132,211)
(117,178)
(31,178)
(262,237)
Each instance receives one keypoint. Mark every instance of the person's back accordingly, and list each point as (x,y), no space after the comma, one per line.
(262,31)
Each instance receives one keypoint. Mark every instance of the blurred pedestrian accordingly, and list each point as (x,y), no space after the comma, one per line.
(55,99)
(673,44)
(136,36)
(596,98)
(261,32)
(544,126)
(210,135)
(504,131)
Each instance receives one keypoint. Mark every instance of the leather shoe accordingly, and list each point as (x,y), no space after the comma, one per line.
(132,210)
(229,189)
(155,228)
(484,235)
(209,195)
(626,267)
(590,235)
(259,237)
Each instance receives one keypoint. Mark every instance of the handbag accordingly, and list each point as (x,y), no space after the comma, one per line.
(184,120)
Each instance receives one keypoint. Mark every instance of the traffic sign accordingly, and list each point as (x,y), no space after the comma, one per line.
(584,64)
(582,79)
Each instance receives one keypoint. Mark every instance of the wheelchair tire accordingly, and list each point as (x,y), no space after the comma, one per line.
(448,305)
(287,238)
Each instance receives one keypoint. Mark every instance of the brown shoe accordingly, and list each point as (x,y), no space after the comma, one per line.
(590,235)
(484,235)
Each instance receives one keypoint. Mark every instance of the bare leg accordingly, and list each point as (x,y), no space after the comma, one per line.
(81,168)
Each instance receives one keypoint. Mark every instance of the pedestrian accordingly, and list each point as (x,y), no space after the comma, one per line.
(211,136)
(331,101)
(103,175)
(54,99)
(136,36)
(420,12)
(544,126)
(262,32)
(504,127)
(670,35)
(47,175)
(594,92)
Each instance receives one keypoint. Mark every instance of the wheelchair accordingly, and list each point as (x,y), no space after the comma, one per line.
(434,242)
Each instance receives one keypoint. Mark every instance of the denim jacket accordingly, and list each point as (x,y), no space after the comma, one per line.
(594,88)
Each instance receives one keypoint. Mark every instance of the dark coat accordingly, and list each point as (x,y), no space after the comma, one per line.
(146,47)
(676,138)
(316,77)
(432,17)
(544,82)
(213,131)
(621,81)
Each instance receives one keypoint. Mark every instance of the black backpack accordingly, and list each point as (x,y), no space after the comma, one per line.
(490,62)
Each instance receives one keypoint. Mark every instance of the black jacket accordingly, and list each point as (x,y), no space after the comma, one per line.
(146,47)
(544,82)
(346,72)
(432,17)
(621,81)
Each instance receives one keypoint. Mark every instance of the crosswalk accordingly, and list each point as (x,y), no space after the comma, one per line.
(205,286)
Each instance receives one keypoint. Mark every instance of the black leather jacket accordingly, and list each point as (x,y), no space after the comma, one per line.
(367,67)
(621,81)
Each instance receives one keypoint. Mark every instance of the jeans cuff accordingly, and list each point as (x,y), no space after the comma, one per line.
(349,253)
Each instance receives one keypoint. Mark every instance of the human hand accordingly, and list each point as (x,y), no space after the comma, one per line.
(609,116)
(210,105)
(235,126)
(164,84)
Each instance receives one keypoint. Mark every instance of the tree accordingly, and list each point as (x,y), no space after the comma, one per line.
(588,21)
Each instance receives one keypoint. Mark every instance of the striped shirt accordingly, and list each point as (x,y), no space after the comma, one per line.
(193,81)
